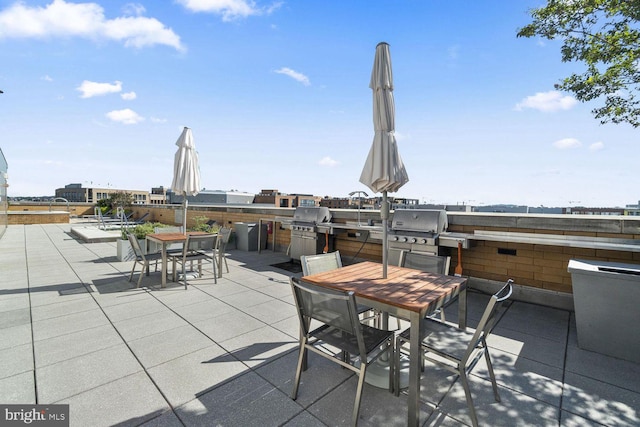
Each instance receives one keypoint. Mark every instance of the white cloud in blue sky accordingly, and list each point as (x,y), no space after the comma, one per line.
(547,102)
(567,143)
(125,116)
(328,161)
(61,19)
(295,75)
(90,89)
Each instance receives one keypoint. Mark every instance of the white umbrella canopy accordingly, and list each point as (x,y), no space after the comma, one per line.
(383,171)
(186,170)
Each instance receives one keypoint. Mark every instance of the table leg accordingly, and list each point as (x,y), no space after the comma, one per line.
(414,371)
(462,309)
(164,264)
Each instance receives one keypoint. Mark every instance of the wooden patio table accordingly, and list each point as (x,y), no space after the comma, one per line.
(405,293)
(165,239)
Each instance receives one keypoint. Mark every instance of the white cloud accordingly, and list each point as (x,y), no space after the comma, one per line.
(126,116)
(401,136)
(547,102)
(133,9)
(90,89)
(328,161)
(47,78)
(157,120)
(87,20)
(294,75)
(229,9)
(129,96)
(567,143)
(596,146)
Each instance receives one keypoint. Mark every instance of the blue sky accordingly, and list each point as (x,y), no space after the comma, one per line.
(277,96)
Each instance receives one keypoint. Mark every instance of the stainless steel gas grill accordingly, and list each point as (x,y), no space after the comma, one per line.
(415,230)
(311,232)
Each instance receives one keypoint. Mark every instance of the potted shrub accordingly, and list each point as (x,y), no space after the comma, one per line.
(124,249)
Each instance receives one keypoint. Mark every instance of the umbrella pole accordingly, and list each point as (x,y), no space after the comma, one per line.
(384,213)
(184,215)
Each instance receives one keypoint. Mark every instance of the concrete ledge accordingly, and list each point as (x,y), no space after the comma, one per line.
(529,294)
(95,235)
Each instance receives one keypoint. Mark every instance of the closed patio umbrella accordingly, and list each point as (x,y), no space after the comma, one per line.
(186,171)
(383,171)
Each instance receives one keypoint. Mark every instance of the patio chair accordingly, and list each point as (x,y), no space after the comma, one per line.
(220,250)
(173,247)
(341,329)
(458,350)
(196,248)
(312,264)
(429,263)
(141,258)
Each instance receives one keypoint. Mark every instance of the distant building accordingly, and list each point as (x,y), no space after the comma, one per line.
(78,193)
(158,196)
(580,210)
(213,197)
(337,202)
(282,200)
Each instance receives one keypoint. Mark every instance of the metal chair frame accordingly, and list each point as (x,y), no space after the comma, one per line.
(196,248)
(312,264)
(430,263)
(341,329)
(141,258)
(458,350)
(224,234)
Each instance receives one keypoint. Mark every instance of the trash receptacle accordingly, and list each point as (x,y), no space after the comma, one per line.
(606,297)
(247,236)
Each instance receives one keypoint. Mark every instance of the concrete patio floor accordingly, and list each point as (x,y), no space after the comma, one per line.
(76,331)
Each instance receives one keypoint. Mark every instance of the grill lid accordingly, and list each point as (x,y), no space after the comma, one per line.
(432,221)
(313,215)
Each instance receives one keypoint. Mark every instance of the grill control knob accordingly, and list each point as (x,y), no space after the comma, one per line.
(413,240)
(404,239)
(423,241)
(395,238)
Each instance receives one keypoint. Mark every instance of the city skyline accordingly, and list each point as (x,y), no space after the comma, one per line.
(277,96)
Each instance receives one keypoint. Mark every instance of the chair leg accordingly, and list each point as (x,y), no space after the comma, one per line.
(392,368)
(492,375)
(173,269)
(396,367)
(215,271)
(301,357)
(356,405)
(467,393)
(140,278)
(132,270)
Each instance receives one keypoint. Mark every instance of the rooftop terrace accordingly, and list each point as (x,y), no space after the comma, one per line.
(75,331)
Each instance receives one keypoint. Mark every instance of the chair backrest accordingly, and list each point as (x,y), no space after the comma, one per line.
(490,317)
(137,250)
(425,262)
(312,264)
(203,242)
(331,307)
(160,230)
(223,237)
